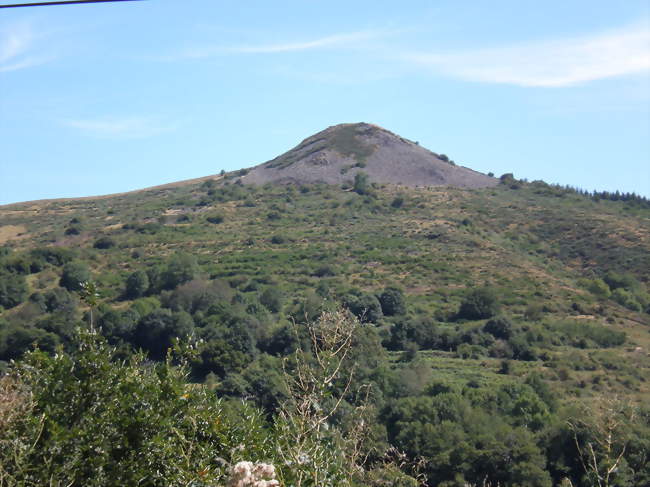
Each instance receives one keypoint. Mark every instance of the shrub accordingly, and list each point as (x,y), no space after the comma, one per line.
(15,340)
(366,307)
(56,256)
(616,280)
(104,243)
(397,202)
(479,304)
(156,331)
(13,289)
(102,421)
(598,288)
(626,298)
(137,284)
(74,273)
(198,295)
(500,327)
(392,301)
(326,270)
(272,298)
(60,300)
(361,183)
(216,219)
(181,268)
(534,312)
(277,239)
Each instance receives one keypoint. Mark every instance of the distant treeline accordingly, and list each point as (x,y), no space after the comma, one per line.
(612,196)
(633,198)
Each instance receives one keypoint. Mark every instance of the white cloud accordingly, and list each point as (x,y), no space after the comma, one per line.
(119,128)
(337,40)
(554,63)
(16,42)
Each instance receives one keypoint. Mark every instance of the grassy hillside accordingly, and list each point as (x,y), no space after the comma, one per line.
(473,290)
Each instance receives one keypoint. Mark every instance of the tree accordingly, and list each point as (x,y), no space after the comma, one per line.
(397,202)
(361,183)
(104,243)
(137,284)
(198,295)
(272,298)
(13,289)
(366,307)
(89,294)
(155,332)
(392,301)
(59,299)
(500,327)
(74,273)
(180,268)
(118,326)
(480,303)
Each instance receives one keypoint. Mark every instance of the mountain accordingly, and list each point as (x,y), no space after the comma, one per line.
(337,153)
(495,318)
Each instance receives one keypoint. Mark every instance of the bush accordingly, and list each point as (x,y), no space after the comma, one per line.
(198,295)
(181,268)
(361,183)
(101,421)
(60,300)
(272,299)
(392,301)
(137,284)
(104,243)
(74,274)
(56,256)
(598,288)
(366,307)
(13,289)
(499,328)
(278,239)
(216,219)
(616,280)
(397,202)
(156,332)
(480,303)
(626,298)
(15,340)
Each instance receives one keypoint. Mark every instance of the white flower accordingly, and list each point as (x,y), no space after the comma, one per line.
(249,474)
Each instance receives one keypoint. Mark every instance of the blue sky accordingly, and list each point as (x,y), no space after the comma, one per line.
(105,98)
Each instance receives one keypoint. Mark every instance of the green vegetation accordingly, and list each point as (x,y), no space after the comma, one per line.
(346,141)
(493,326)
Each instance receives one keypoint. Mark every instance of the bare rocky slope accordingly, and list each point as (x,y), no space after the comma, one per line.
(337,153)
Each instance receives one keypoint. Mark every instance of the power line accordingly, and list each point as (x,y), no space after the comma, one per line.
(69,2)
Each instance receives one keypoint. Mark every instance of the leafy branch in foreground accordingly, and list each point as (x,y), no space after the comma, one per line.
(307,442)
(314,453)
(601,439)
(88,418)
